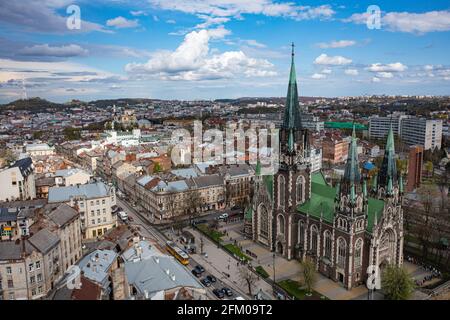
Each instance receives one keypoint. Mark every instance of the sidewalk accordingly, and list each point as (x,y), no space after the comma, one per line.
(224,264)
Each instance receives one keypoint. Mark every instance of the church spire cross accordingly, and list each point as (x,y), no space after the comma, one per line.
(293,51)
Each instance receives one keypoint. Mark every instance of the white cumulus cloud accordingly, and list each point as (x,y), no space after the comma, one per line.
(318,76)
(386,75)
(121,23)
(391,67)
(336,44)
(324,59)
(419,23)
(193,60)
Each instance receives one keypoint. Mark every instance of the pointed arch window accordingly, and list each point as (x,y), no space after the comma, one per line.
(299,188)
(264,222)
(301,232)
(327,244)
(358,253)
(281,191)
(314,239)
(341,252)
(280,224)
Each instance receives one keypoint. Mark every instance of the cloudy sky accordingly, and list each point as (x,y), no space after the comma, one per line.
(208,49)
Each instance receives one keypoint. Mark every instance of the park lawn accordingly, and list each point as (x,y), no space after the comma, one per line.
(263,273)
(235,250)
(213,234)
(294,288)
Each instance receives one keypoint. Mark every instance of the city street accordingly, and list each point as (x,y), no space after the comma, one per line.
(148,231)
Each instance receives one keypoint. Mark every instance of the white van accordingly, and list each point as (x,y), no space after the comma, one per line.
(123,216)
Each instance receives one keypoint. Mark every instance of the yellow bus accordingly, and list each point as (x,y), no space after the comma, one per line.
(179,254)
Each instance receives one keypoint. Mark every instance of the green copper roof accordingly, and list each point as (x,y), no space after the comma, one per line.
(248,213)
(268,182)
(344,125)
(258,168)
(291,118)
(322,200)
(351,174)
(291,141)
(318,178)
(388,170)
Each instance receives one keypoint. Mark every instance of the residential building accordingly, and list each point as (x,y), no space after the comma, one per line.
(155,276)
(71,177)
(39,149)
(379,126)
(93,201)
(415,163)
(421,131)
(335,149)
(98,267)
(17,181)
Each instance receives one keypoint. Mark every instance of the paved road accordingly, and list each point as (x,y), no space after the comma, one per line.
(150,231)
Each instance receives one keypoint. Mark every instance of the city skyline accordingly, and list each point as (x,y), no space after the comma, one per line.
(220,49)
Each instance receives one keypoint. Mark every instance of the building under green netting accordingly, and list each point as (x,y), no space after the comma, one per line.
(345,125)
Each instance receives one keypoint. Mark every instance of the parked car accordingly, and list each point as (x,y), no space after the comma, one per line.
(200,221)
(223,216)
(123,216)
(218,293)
(206,282)
(199,268)
(227,291)
(196,273)
(211,278)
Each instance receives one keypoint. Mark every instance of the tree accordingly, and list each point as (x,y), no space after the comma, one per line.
(396,283)
(427,195)
(309,274)
(193,203)
(38,134)
(202,244)
(429,168)
(402,165)
(157,167)
(72,133)
(248,277)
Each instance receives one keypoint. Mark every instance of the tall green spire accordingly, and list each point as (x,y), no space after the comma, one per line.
(351,174)
(388,170)
(291,118)
(258,168)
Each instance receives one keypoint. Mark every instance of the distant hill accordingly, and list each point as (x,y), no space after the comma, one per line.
(32,104)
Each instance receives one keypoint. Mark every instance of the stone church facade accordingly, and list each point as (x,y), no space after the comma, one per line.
(344,229)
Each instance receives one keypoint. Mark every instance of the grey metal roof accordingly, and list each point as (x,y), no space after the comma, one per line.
(235,170)
(62,214)
(151,276)
(44,240)
(10,250)
(185,173)
(24,165)
(68,172)
(147,251)
(208,181)
(91,190)
(8,214)
(96,265)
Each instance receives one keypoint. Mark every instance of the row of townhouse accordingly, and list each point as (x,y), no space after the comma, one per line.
(31,266)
